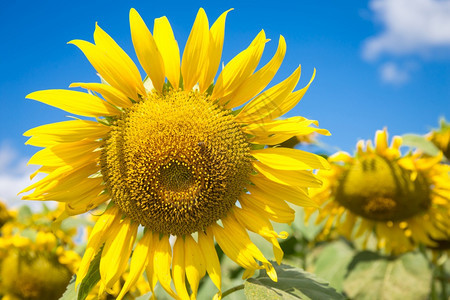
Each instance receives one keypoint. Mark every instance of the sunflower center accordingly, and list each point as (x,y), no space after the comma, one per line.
(175,163)
(378,189)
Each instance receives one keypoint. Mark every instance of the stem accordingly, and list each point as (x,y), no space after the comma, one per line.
(232,290)
(443,280)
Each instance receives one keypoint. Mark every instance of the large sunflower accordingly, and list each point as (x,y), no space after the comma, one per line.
(400,201)
(176,158)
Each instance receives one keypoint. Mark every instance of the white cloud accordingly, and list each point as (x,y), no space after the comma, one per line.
(392,73)
(410,27)
(14,177)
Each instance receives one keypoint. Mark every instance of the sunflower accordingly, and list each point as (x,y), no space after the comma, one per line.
(441,138)
(176,158)
(26,254)
(398,201)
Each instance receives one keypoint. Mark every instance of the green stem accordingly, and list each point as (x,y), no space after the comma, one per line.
(232,290)
(443,280)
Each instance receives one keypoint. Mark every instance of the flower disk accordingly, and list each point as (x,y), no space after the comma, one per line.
(176,163)
(380,190)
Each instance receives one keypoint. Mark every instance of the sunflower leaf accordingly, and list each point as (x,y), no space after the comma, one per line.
(372,276)
(293,283)
(70,292)
(421,143)
(92,277)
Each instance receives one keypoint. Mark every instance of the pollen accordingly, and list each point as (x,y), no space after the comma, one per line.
(380,190)
(175,162)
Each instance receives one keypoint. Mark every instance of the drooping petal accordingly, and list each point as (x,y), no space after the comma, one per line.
(96,239)
(258,81)
(168,47)
(147,51)
(162,260)
(139,261)
(206,243)
(194,263)
(178,269)
(195,52)
(216,37)
(75,102)
(116,252)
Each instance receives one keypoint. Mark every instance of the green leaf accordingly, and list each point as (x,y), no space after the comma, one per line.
(331,261)
(293,283)
(372,276)
(421,143)
(92,277)
(24,215)
(70,292)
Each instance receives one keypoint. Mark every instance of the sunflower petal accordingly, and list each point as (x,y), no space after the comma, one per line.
(116,252)
(110,93)
(238,69)
(194,263)
(147,51)
(162,260)
(195,52)
(206,243)
(258,81)
(138,262)
(290,159)
(75,102)
(168,47)
(216,37)
(178,269)
(266,106)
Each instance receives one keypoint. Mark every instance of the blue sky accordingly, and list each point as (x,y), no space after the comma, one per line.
(379,62)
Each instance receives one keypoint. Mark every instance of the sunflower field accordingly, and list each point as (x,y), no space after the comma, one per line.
(192,182)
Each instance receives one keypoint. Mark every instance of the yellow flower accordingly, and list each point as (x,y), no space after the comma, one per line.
(399,201)
(175,156)
(441,138)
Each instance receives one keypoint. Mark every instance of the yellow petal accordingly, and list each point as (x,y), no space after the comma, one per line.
(266,106)
(194,263)
(195,52)
(116,252)
(162,261)
(105,43)
(381,141)
(149,270)
(168,47)
(178,269)
(96,239)
(276,210)
(110,93)
(295,195)
(64,132)
(146,50)
(138,262)
(290,159)
(233,245)
(75,102)
(216,37)
(262,226)
(111,70)
(288,177)
(238,69)
(206,244)
(75,154)
(292,100)
(86,204)
(258,81)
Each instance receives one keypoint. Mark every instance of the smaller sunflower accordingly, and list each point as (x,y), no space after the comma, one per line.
(441,138)
(400,201)
(27,254)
